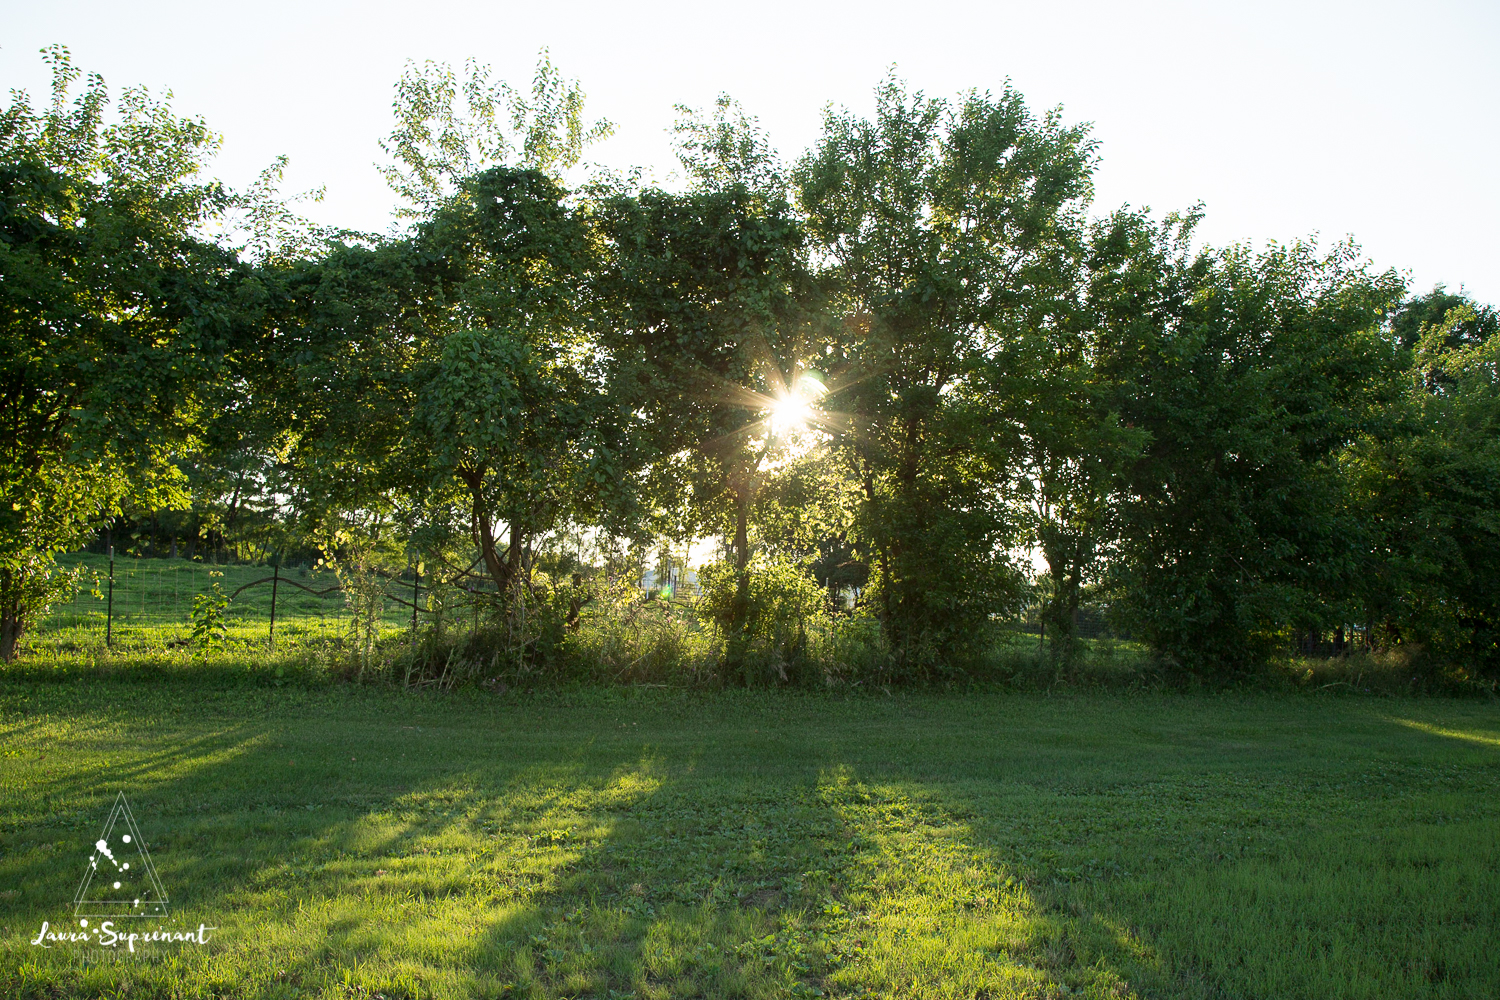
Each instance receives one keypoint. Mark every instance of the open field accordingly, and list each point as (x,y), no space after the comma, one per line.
(153,602)
(361,842)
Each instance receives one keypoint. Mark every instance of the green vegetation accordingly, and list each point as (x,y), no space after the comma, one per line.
(361,842)
(914,370)
(885,379)
(153,606)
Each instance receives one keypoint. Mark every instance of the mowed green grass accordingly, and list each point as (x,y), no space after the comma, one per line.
(357,842)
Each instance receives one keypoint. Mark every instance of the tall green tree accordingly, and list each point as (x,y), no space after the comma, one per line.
(447,377)
(712,328)
(1251,373)
(450,128)
(949,229)
(707,289)
(1074,443)
(452,374)
(1425,485)
(514,404)
(116,314)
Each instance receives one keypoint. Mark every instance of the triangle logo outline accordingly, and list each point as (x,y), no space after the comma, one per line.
(152,901)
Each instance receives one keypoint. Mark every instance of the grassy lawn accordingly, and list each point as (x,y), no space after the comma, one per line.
(357,842)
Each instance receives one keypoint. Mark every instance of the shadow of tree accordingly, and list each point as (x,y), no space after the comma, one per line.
(429,847)
(690,862)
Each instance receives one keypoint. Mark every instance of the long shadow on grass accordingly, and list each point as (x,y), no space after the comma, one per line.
(625,874)
(702,861)
(254,820)
(785,888)
(470,847)
(634,867)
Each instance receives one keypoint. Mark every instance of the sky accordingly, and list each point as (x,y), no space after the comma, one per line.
(1287,120)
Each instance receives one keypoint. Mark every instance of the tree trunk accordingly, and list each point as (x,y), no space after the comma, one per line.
(12,615)
(10,624)
(1065,559)
(484,533)
(10,633)
(739,611)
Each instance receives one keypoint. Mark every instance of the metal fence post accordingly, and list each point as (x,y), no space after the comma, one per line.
(109,609)
(416,584)
(275,581)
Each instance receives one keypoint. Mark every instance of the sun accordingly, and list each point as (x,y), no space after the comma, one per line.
(789,415)
(791,412)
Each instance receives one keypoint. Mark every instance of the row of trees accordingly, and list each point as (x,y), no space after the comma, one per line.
(899,363)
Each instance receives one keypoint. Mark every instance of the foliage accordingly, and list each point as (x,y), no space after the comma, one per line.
(436,145)
(948,227)
(707,297)
(1427,488)
(726,150)
(115,313)
(782,607)
(208,619)
(1232,531)
(888,381)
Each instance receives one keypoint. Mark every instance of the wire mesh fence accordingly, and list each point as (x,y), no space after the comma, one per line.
(147,603)
(1089,622)
(150,602)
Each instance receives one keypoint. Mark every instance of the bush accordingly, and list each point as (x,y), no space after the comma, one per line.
(784,606)
(624,636)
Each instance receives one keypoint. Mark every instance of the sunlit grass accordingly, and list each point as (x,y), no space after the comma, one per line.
(361,842)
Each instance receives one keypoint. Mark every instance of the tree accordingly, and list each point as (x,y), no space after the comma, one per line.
(513,405)
(1074,445)
(1250,373)
(711,328)
(447,377)
(950,229)
(1425,484)
(116,314)
(706,289)
(436,145)
(450,374)
(1418,316)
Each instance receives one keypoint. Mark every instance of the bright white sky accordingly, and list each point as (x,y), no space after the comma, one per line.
(1380,120)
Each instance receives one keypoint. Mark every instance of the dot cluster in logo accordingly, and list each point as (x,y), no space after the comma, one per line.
(120,880)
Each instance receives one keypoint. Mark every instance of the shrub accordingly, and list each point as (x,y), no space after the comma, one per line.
(208,619)
(784,607)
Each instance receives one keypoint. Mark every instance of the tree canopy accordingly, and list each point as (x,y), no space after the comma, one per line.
(909,378)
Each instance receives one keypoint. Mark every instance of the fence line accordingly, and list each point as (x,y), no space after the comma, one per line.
(134,595)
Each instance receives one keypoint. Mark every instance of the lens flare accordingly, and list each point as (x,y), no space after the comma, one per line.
(791,412)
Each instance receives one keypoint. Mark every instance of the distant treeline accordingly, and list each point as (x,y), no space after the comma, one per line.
(890,368)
